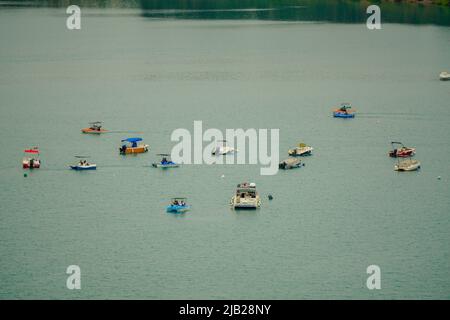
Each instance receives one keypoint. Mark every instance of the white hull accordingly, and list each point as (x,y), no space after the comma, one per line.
(407,165)
(245,203)
(444,76)
(220,151)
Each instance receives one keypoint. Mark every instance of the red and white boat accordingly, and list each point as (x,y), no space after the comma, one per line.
(31,159)
(402,152)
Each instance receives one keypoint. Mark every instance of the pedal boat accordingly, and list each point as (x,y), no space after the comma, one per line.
(80,167)
(290,163)
(178,205)
(165,162)
(407,165)
(402,152)
(301,150)
(344,111)
(31,159)
(95,128)
(133,147)
(246,197)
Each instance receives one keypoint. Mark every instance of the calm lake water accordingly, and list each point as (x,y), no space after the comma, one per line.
(345,210)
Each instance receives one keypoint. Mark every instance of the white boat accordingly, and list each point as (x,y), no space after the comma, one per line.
(83,164)
(407,165)
(31,159)
(88,166)
(165,162)
(290,163)
(301,150)
(444,75)
(223,149)
(246,197)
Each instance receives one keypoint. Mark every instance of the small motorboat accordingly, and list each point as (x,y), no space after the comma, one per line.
(31,159)
(223,149)
(88,166)
(94,128)
(178,205)
(401,152)
(301,150)
(165,162)
(444,76)
(290,163)
(131,146)
(246,197)
(344,111)
(83,164)
(407,165)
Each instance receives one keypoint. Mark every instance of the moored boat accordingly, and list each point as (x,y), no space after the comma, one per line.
(131,146)
(444,76)
(290,163)
(301,150)
(407,165)
(223,149)
(31,159)
(94,128)
(246,197)
(401,152)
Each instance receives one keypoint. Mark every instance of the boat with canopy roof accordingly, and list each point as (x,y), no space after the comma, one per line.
(131,146)
(401,152)
(165,162)
(94,128)
(31,159)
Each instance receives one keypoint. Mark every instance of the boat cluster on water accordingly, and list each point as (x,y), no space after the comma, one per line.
(246,195)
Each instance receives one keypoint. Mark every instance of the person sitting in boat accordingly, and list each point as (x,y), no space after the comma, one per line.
(123,148)
(164,160)
(175,202)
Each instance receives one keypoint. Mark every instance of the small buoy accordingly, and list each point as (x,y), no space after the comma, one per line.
(270,197)
(223,176)
(439,177)
(25,175)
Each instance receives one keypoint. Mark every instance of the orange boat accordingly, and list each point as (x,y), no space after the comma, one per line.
(132,146)
(95,128)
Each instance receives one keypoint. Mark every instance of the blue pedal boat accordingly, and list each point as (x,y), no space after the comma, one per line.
(344,111)
(178,205)
(165,162)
